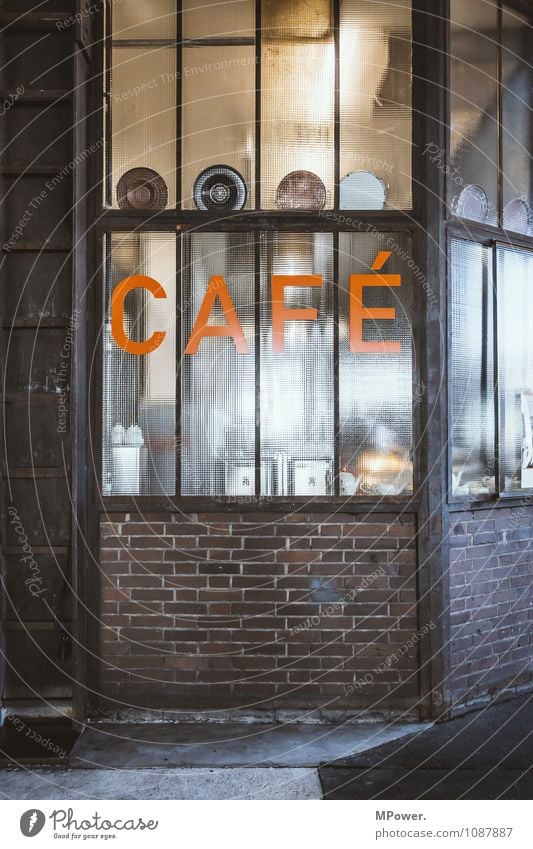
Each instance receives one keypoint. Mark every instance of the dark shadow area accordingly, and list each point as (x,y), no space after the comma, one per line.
(34,741)
(483,755)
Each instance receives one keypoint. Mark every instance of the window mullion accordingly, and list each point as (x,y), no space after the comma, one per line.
(336,405)
(257,342)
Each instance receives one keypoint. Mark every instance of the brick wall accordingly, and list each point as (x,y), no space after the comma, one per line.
(491,601)
(258,610)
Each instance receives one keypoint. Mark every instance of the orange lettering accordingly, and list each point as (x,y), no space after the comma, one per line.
(280,314)
(138,281)
(217,288)
(359,313)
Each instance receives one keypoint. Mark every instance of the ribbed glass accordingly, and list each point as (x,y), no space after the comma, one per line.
(139,391)
(218,382)
(375,385)
(297,383)
(472,368)
(375,99)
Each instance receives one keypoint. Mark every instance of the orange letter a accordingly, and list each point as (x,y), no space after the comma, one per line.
(217,287)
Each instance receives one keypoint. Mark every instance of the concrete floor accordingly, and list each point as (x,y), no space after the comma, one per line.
(228,744)
(295,784)
(198,761)
(486,754)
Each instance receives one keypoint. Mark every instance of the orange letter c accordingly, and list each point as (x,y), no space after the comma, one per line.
(137,281)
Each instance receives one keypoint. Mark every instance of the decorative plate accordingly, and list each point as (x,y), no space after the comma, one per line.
(142,188)
(472,203)
(219,187)
(362,190)
(517,216)
(301,190)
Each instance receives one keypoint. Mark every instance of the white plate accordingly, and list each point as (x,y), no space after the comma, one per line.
(362,190)
(472,203)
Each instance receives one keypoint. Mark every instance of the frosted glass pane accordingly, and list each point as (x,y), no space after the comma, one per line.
(218,383)
(139,396)
(297,106)
(143,104)
(375,387)
(218,18)
(472,369)
(517,129)
(218,114)
(515,356)
(292,19)
(297,384)
(473,104)
(143,19)
(375,95)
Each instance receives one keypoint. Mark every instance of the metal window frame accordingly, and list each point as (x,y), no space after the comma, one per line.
(258,220)
(486,235)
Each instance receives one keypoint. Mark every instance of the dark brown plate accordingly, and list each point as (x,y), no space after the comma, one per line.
(301,190)
(142,188)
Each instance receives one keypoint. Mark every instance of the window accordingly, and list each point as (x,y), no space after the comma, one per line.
(490,273)
(182,99)
(260,363)
(286,368)
(491,116)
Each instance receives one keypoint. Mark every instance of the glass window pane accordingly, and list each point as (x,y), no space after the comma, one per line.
(297,106)
(472,369)
(375,381)
(143,118)
(297,382)
(517,120)
(515,356)
(143,19)
(218,18)
(139,396)
(218,114)
(293,19)
(375,103)
(473,103)
(218,382)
